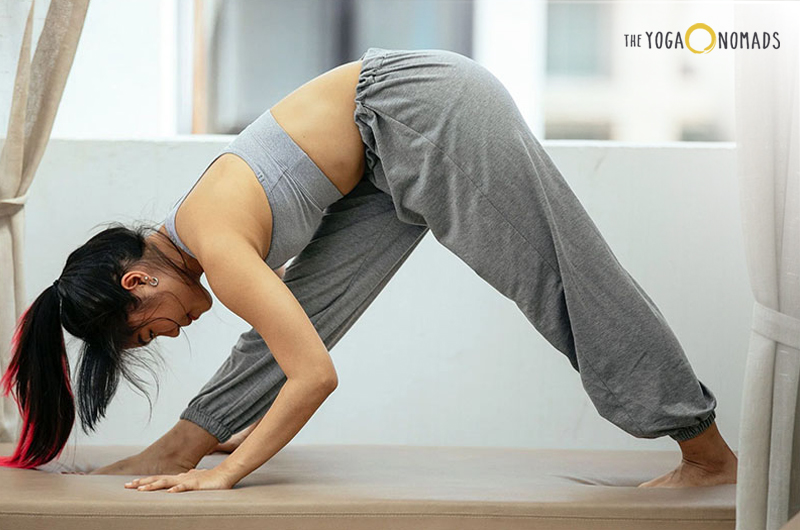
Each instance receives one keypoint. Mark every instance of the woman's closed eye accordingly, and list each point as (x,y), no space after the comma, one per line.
(148,342)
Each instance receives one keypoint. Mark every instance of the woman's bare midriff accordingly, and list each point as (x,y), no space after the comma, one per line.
(318,117)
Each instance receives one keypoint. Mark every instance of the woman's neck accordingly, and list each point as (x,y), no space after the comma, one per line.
(175,253)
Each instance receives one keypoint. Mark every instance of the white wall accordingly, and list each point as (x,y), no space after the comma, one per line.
(123,81)
(440,358)
(510,34)
(652,94)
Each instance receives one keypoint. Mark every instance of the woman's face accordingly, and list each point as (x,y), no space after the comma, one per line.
(174,305)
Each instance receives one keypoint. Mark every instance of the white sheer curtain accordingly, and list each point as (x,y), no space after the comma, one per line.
(37,92)
(768,160)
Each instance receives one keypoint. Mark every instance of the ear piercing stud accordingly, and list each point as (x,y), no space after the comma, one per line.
(153,282)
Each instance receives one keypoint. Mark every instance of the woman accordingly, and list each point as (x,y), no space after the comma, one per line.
(351,170)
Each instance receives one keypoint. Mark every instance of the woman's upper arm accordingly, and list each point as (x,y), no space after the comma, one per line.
(246,285)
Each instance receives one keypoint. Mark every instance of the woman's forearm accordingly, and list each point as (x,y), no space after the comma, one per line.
(293,407)
(250,429)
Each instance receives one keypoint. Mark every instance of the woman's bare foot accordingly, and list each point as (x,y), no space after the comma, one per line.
(178,451)
(145,463)
(707,461)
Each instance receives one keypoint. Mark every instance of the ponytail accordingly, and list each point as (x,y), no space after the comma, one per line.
(90,304)
(39,369)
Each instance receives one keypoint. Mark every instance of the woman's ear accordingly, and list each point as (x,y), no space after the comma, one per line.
(131,279)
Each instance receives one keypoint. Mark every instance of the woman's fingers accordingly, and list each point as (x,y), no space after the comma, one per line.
(173,483)
(159,483)
(147,481)
(138,482)
(194,479)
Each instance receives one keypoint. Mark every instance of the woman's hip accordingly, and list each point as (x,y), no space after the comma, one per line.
(434,92)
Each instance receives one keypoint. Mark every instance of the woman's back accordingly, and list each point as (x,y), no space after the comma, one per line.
(305,153)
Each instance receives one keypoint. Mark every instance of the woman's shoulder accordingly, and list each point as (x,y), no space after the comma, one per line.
(228,196)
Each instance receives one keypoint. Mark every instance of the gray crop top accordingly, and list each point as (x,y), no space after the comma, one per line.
(297,190)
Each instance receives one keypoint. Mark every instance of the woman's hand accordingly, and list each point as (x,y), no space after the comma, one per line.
(194,479)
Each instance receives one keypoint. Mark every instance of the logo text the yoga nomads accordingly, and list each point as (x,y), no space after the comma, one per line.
(724,40)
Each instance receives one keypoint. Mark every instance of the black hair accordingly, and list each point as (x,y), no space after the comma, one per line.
(92,305)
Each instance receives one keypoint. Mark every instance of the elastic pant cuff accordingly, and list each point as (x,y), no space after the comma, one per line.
(695,430)
(213,426)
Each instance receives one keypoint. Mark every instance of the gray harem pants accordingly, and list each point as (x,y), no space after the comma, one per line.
(448,151)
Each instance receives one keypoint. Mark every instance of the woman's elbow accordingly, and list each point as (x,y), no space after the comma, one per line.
(322,384)
(330,383)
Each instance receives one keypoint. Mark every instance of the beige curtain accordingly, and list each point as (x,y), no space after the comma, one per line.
(37,92)
(768,161)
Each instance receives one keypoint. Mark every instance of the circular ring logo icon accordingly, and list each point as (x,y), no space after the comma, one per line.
(710,31)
